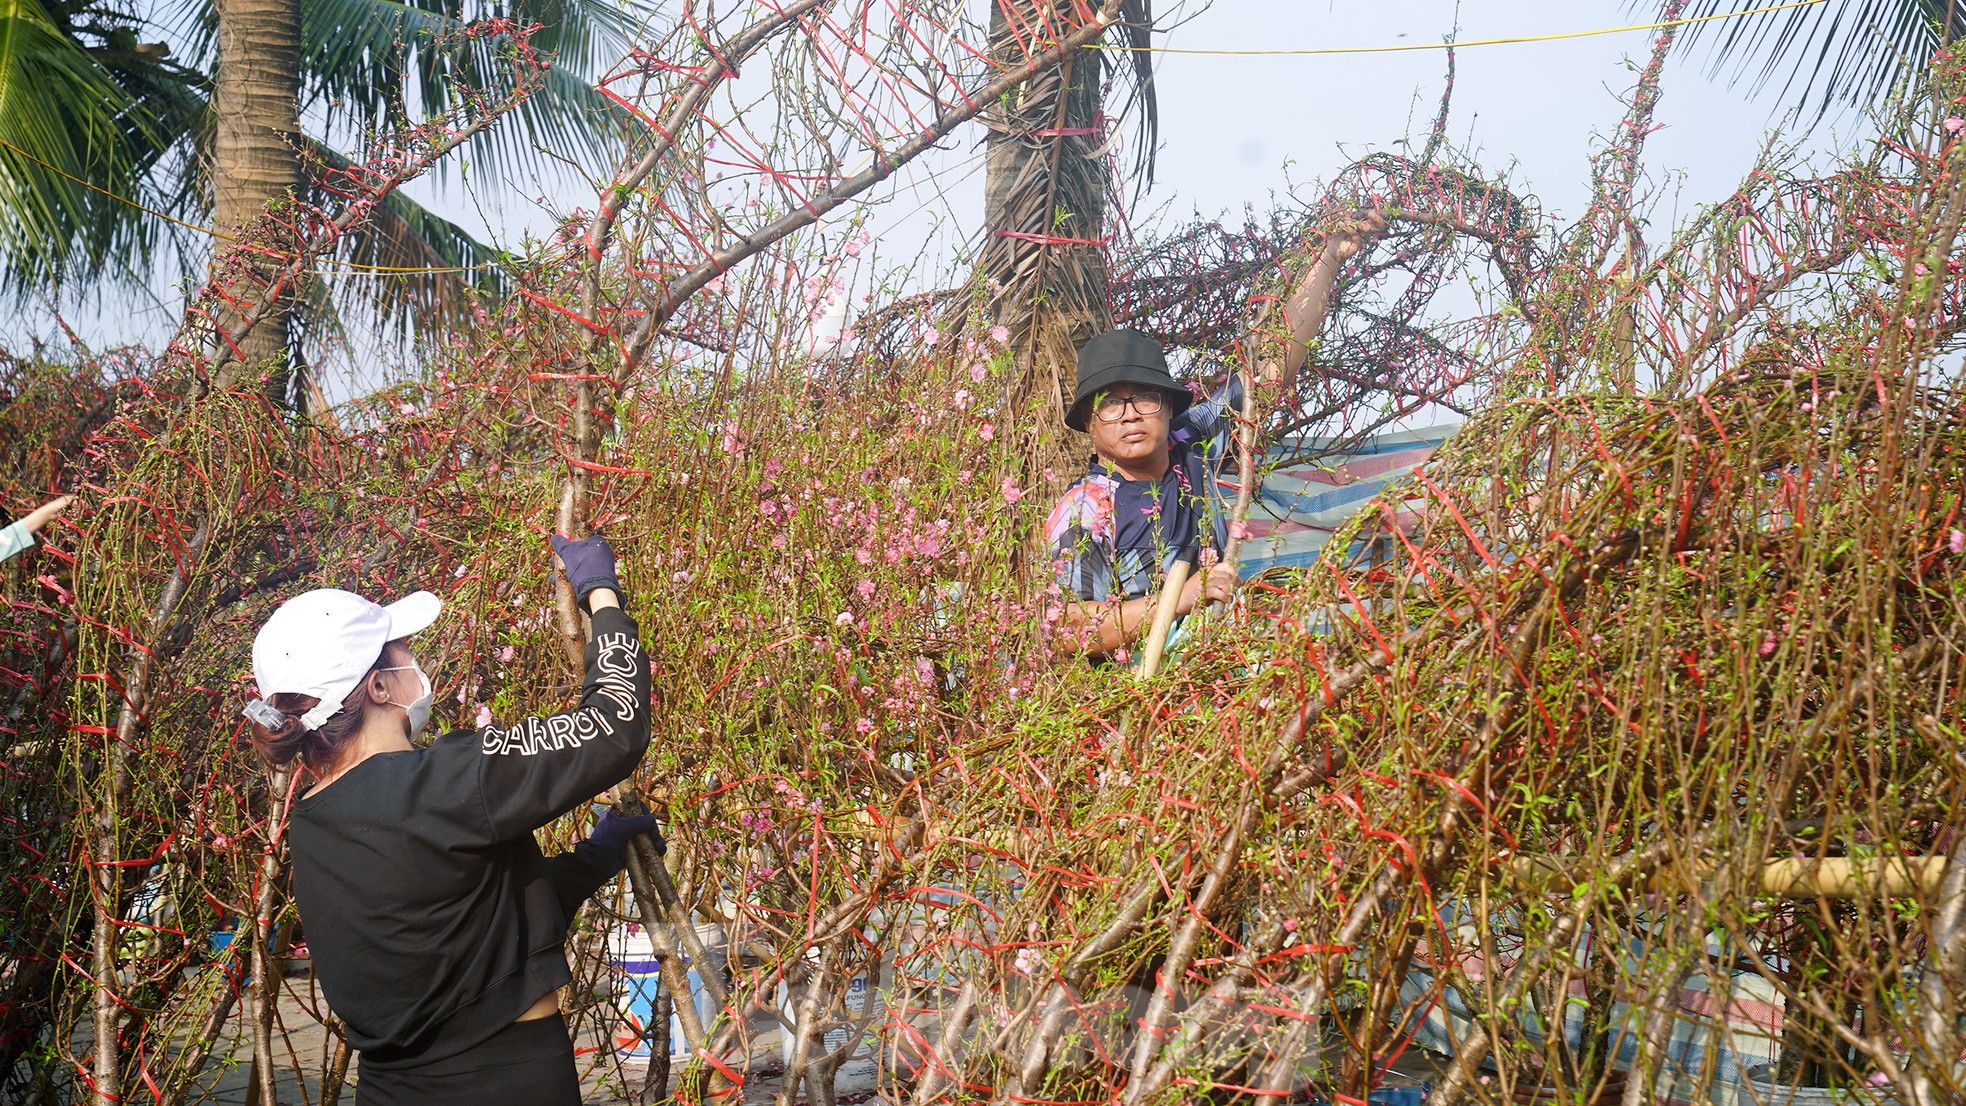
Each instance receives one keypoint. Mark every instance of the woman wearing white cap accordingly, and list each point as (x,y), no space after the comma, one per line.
(436,926)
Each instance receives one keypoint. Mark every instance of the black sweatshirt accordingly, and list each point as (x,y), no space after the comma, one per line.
(433,919)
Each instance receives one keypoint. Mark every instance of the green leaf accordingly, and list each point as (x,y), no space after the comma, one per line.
(370,63)
(67,125)
(401,234)
(1850,51)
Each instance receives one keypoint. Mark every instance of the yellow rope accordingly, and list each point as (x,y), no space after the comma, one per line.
(213,231)
(1459,45)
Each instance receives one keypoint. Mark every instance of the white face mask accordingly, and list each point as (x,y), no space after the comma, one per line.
(419,708)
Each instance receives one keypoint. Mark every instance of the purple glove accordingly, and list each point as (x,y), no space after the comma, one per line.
(613,831)
(590,566)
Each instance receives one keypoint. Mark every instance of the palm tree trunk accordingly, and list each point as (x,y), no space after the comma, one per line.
(1046,183)
(255,163)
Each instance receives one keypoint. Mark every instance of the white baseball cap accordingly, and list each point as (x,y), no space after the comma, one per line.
(322,643)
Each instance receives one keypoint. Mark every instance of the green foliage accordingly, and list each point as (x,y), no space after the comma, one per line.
(126,125)
(67,122)
(1833,54)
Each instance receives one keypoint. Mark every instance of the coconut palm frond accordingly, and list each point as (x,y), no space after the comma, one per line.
(1843,52)
(410,269)
(370,62)
(587,36)
(376,64)
(1136,62)
(68,125)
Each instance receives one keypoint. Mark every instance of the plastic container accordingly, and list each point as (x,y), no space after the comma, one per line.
(638,985)
(1759,1088)
(1385,1096)
(857,1000)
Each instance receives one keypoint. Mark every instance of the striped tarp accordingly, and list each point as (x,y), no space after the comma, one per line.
(1302,506)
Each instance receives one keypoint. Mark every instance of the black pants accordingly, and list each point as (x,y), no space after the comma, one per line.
(524,1064)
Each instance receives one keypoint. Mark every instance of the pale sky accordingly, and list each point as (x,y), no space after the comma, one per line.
(1237,129)
(1229,123)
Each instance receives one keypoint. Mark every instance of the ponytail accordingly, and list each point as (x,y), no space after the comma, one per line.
(280,738)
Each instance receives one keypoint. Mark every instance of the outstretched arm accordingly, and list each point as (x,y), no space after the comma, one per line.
(532,771)
(1304,313)
(18,537)
(1309,304)
(46,512)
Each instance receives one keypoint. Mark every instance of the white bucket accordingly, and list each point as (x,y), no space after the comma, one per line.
(638,983)
(859,1001)
(914,979)
(911,922)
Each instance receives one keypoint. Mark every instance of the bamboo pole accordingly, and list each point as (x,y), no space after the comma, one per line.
(1170,596)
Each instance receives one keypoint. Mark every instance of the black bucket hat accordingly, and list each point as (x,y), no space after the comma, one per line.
(1122,357)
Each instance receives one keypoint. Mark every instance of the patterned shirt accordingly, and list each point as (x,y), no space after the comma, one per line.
(1111,538)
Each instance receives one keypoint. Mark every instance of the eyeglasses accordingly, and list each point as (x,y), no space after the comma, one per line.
(1112,408)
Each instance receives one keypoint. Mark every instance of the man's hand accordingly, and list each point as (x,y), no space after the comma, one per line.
(45,513)
(1214,585)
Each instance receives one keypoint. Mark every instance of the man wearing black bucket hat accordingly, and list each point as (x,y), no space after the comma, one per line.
(1147,499)
(1150,496)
